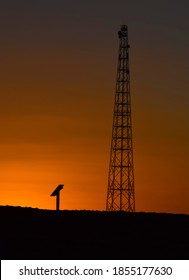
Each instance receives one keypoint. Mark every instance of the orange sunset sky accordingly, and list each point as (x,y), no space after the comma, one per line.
(58,64)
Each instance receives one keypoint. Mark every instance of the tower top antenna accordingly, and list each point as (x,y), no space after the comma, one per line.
(123,31)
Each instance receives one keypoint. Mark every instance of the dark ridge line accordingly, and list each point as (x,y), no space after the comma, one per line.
(11,207)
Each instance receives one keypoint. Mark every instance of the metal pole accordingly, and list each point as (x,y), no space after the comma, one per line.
(58,201)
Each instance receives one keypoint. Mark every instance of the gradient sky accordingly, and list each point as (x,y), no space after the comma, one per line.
(58,64)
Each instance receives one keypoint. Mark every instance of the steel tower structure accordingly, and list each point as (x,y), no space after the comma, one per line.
(120,194)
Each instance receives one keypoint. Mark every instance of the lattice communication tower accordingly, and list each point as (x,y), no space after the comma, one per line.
(120,194)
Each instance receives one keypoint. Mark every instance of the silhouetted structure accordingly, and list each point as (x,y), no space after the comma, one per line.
(57,194)
(120,195)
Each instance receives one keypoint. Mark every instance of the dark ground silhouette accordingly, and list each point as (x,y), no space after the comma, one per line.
(28,233)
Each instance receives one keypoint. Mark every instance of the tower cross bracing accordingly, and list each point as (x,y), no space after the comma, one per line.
(120,194)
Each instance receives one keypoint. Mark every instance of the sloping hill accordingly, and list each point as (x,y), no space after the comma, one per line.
(28,233)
